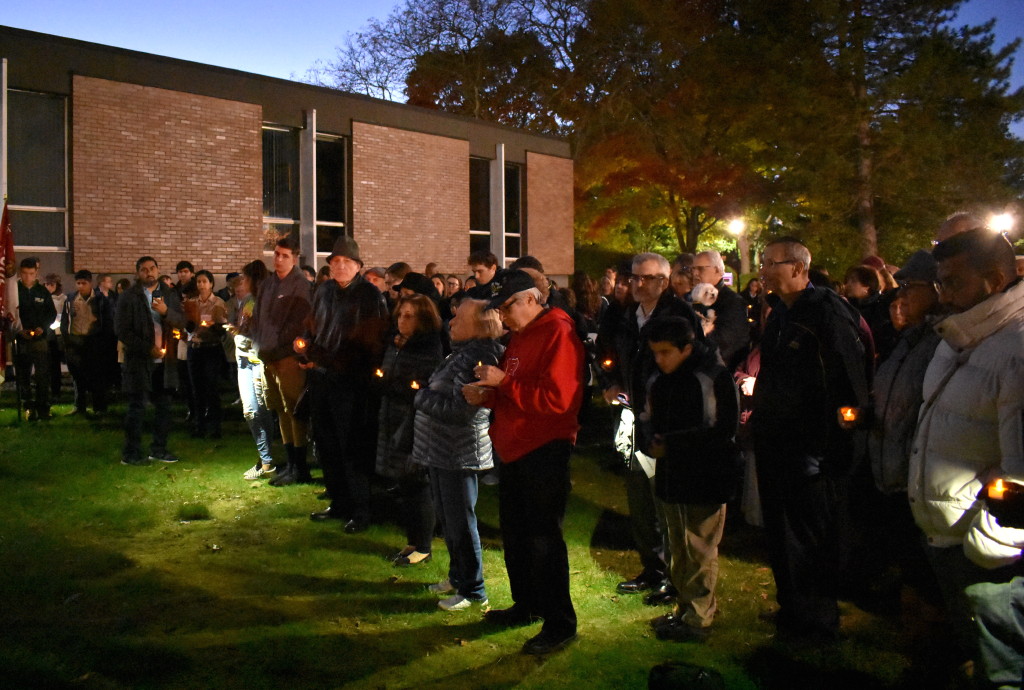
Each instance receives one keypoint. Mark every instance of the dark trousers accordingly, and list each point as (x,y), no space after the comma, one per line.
(803,524)
(417,511)
(645,522)
(32,368)
(85,365)
(455,493)
(342,446)
(136,412)
(205,365)
(532,497)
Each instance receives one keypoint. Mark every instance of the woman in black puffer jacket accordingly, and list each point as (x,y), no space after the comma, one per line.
(451,440)
(411,357)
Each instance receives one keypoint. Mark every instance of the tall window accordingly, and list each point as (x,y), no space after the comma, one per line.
(280,185)
(330,191)
(37,166)
(513,212)
(479,204)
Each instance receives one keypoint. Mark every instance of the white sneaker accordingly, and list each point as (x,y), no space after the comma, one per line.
(459,603)
(442,587)
(257,472)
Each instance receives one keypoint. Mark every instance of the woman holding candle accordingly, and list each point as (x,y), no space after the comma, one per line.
(451,440)
(205,316)
(251,382)
(410,358)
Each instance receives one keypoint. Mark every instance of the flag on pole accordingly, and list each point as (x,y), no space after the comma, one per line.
(7,270)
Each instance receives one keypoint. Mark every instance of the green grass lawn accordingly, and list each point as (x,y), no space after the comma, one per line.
(188,576)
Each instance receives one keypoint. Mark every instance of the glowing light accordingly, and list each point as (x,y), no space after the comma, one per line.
(204,323)
(1000,222)
(379,374)
(607,364)
(997,489)
(176,334)
(300,344)
(849,414)
(414,385)
(736,226)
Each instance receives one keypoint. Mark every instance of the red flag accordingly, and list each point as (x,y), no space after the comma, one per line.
(7,270)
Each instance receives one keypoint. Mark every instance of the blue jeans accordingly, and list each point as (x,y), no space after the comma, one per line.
(454,493)
(254,407)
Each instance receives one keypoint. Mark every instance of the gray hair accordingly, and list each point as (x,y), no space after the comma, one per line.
(714,258)
(794,250)
(663,265)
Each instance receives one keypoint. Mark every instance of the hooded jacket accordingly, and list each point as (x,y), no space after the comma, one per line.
(971,429)
(540,397)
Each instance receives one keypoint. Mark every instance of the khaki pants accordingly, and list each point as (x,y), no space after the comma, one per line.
(694,532)
(285,382)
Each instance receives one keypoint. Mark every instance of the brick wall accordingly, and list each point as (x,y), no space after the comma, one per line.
(164,173)
(410,198)
(549,212)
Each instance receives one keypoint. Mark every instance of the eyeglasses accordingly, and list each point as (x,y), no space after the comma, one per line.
(907,284)
(645,279)
(505,308)
(769,263)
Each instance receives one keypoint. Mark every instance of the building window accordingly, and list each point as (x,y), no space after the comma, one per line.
(513,212)
(37,163)
(330,191)
(479,204)
(280,185)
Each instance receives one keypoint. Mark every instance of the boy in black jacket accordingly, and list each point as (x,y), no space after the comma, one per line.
(694,412)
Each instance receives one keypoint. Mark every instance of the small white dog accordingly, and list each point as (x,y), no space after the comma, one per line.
(703,296)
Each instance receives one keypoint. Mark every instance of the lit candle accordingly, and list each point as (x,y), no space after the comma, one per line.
(479,364)
(163,351)
(300,344)
(176,333)
(379,374)
(203,323)
(415,386)
(607,364)
(849,414)
(997,489)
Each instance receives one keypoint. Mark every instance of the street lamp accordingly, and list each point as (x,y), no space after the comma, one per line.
(736,228)
(1001,222)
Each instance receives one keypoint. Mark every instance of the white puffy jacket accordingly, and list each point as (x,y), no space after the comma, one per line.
(970,429)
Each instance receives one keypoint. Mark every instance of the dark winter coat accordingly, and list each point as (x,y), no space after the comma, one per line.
(814,359)
(898,398)
(133,324)
(413,363)
(695,411)
(449,432)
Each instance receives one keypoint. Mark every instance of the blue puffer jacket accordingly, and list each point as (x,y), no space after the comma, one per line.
(449,432)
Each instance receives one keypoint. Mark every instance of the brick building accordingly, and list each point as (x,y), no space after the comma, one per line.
(109,154)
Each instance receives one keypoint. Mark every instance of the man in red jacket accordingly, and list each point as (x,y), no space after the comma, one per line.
(536,393)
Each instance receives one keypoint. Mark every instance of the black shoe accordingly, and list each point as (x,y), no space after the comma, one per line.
(283,477)
(678,631)
(664,595)
(546,642)
(642,582)
(327,514)
(512,617)
(356,525)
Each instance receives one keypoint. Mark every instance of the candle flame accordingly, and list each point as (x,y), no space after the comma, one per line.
(415,386)
(379,374)
(176,333)
(849,414)
(997,489)
(607,364)
(203,323)
(300,343)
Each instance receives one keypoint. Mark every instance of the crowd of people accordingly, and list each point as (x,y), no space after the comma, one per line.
(861,423)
